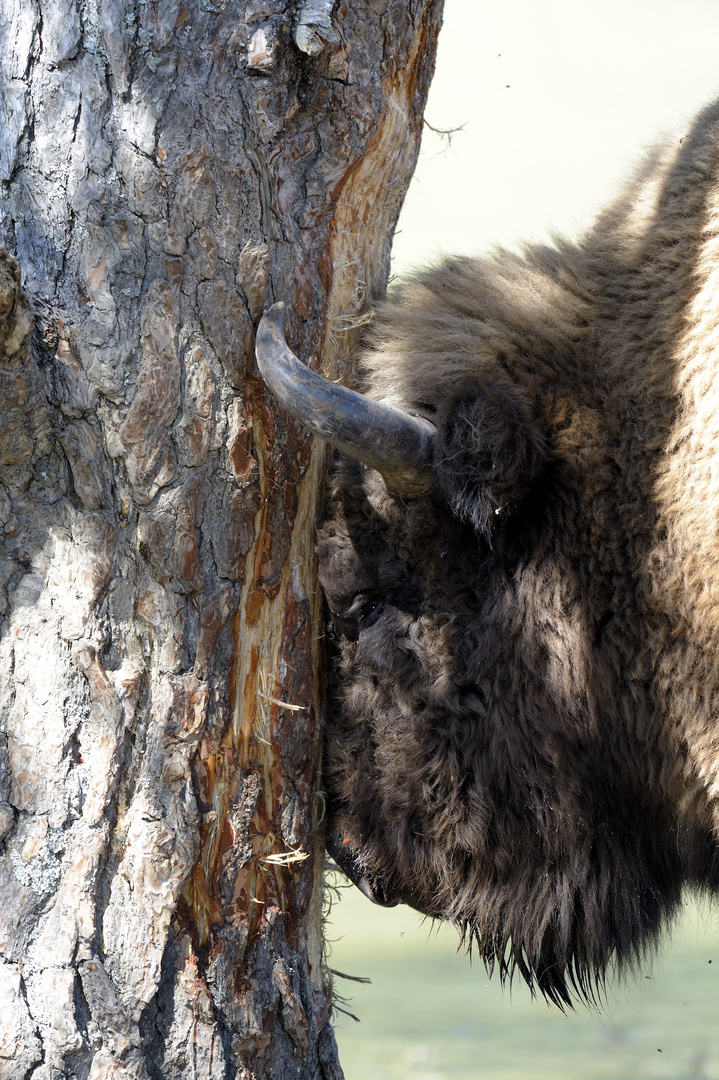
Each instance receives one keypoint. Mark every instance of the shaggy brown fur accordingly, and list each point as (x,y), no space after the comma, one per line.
(525,738)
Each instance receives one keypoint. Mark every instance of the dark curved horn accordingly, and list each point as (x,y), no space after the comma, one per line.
(393,442)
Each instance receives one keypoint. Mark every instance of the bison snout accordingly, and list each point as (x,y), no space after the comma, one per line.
(372,887)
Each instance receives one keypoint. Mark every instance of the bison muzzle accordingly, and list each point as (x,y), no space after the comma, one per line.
(521,564)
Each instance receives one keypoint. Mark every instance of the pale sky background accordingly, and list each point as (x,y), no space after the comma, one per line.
(560,99)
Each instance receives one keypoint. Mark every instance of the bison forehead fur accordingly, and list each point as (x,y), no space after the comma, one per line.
(525,736)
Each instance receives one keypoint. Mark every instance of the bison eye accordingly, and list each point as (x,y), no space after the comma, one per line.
(364,611)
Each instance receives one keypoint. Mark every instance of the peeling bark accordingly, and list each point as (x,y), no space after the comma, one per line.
(169,168)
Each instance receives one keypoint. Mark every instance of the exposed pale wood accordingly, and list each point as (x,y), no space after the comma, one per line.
(169,167)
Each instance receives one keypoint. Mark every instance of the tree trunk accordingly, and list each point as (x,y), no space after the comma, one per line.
(168,168)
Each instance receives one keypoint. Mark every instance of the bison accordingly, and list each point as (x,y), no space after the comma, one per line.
(520,559)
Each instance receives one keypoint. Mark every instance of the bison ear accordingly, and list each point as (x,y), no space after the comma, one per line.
(489,451)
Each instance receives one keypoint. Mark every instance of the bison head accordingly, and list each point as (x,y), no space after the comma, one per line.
(522,737)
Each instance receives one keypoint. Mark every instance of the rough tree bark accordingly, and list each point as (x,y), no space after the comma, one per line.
(168,167)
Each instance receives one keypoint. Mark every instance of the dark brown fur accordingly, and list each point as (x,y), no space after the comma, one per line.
(525,735)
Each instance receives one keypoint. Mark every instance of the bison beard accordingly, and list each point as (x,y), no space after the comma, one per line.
(524,736)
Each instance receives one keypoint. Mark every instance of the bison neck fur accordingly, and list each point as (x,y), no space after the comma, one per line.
(524,734)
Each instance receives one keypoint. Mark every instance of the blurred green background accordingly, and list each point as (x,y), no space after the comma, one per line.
(559,100)
(431,1014)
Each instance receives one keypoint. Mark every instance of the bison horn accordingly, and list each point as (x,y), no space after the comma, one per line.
(395,443)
